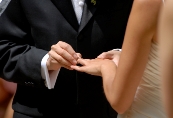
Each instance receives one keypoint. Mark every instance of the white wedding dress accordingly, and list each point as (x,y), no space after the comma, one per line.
(147,101)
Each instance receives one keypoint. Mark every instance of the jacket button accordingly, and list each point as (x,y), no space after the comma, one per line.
(29,83)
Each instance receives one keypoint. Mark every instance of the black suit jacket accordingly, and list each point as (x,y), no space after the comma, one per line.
(28,28)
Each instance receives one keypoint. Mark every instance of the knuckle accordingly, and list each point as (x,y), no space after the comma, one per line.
(104,53)
(66,46)
(60,42)
(59,59)
(61,52)
(49,53)
(53,47)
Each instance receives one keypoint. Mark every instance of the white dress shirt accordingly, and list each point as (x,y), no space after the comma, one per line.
(50,78)
(3,5)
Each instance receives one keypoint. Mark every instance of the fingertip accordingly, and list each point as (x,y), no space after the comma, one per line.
(73,67)
(79,55)
(75,56)
(74,62)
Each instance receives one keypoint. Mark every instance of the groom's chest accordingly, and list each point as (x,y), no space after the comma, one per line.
(64,10)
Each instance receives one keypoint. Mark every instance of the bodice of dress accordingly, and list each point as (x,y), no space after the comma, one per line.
(147,101)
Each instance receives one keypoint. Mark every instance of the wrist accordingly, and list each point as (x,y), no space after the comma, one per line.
(107,67)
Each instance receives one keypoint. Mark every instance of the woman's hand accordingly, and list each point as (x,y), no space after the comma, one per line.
(93,66)
(111,55)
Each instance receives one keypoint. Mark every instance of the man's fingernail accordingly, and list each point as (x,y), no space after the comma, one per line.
(74,62)
(75,56)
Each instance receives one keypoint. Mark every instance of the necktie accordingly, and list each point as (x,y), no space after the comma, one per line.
(78,8)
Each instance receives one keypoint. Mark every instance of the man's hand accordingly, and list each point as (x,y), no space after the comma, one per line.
(62,55)
(112,55)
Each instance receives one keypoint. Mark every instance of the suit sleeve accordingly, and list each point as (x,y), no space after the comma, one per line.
(20,60)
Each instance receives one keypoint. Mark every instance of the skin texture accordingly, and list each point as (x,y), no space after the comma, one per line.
(7,91)
(120,83)
(61,55)
(166,48)
(112,55)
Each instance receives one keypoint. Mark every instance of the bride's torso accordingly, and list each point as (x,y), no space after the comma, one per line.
(147,102)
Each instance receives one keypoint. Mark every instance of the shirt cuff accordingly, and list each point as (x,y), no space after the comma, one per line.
(50,78)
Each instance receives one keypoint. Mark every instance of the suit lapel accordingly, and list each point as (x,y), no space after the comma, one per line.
(66,9)
(89,9)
